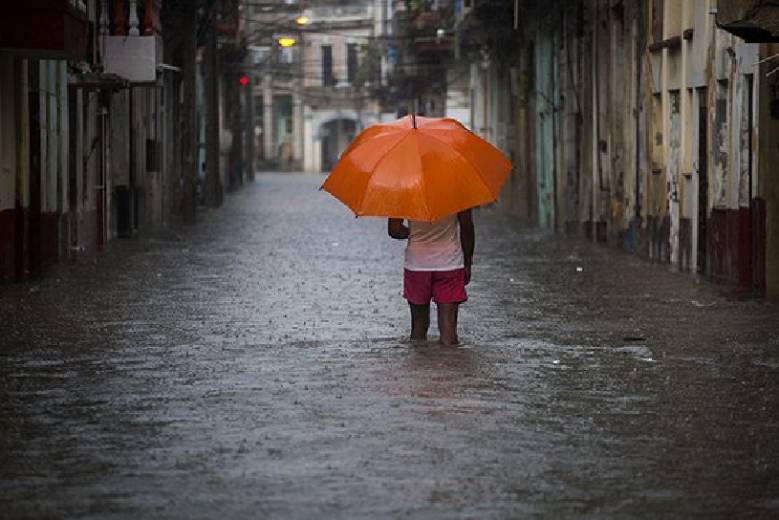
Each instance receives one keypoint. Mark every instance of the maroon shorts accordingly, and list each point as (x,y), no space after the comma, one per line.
(442,286)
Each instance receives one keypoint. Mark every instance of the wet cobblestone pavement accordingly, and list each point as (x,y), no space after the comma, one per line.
(255,366)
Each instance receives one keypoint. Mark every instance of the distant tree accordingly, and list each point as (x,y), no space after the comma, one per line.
(369,67)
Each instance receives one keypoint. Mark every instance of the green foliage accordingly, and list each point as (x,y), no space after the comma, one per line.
(369,67)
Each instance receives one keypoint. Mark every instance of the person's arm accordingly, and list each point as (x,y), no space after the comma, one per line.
(397,229)
(467,240)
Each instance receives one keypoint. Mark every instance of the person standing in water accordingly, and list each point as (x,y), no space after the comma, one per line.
(438,266)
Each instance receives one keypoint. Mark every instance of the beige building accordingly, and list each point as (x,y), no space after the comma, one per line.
(758,22)
(337,80)
(639,123)
(313,97)
(276,83)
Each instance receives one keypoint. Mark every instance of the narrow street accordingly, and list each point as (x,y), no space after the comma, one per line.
(256,366)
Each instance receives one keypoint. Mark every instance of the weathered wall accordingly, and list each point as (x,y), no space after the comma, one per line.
(768,187)
(39,237)
(545,117)
(60,158)
(755,20)
(315,105)
(9,101)
(33,165)
(644,126)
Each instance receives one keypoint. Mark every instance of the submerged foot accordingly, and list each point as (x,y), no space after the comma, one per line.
(449,342)
(418,340)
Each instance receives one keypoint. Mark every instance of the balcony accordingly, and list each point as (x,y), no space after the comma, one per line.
(434,45)
(45,29)
(133,48)
(340,15)
(753,20)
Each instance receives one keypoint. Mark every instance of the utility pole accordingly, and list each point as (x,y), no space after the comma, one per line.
(249,137)
(234,110)
(189,116)
(212,189)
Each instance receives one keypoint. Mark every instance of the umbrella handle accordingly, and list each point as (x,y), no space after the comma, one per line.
(413,119)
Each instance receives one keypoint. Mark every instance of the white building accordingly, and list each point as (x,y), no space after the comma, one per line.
(312,98)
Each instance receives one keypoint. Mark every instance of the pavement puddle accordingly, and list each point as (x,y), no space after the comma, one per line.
(639,352)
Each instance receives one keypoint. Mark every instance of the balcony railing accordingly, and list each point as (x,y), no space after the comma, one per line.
(340,13)
(132,44)
(130,17)
(752,20)
(79,5)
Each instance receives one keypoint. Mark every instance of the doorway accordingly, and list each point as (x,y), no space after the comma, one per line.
(336,136)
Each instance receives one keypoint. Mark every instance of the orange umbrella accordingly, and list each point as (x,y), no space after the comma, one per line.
(417,168)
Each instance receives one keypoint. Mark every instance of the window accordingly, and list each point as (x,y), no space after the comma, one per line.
(327,66)
(260,54)
(286,55)
(351,62)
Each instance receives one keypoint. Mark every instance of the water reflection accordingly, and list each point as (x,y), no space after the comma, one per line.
(434,371)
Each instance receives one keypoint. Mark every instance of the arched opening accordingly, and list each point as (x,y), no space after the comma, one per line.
(336,135)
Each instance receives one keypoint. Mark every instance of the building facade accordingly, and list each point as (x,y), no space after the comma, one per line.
(312,97)
(638,123)
(90,147)
(340,71)
(43,199)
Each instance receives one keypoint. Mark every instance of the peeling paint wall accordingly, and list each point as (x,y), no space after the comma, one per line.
(545,127)
(766,216)
(53,117)
(644,129)
(34,164)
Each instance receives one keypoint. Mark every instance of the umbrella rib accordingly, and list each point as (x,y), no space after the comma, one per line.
(424,191)
(422,180)
(349,149)
(375,166)
(476,168)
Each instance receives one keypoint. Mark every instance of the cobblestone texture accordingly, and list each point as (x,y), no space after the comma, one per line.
(255,366)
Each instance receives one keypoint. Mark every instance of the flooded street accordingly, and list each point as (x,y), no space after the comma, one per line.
(256,366)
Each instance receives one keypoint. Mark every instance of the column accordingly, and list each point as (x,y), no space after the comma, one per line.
(267,121)
(297,129)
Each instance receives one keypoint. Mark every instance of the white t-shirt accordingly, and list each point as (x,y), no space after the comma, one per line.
(434,246)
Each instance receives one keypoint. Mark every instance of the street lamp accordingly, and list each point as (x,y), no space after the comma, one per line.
(286,41)
(302,20)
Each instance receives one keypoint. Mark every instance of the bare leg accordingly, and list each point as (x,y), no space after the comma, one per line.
(447,323)
(420,321)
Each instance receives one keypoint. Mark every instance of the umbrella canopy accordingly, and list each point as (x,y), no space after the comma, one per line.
(417,168)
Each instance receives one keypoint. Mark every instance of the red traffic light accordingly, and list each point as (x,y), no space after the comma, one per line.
(244,80)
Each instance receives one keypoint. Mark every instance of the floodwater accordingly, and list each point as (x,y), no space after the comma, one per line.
(255,366)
